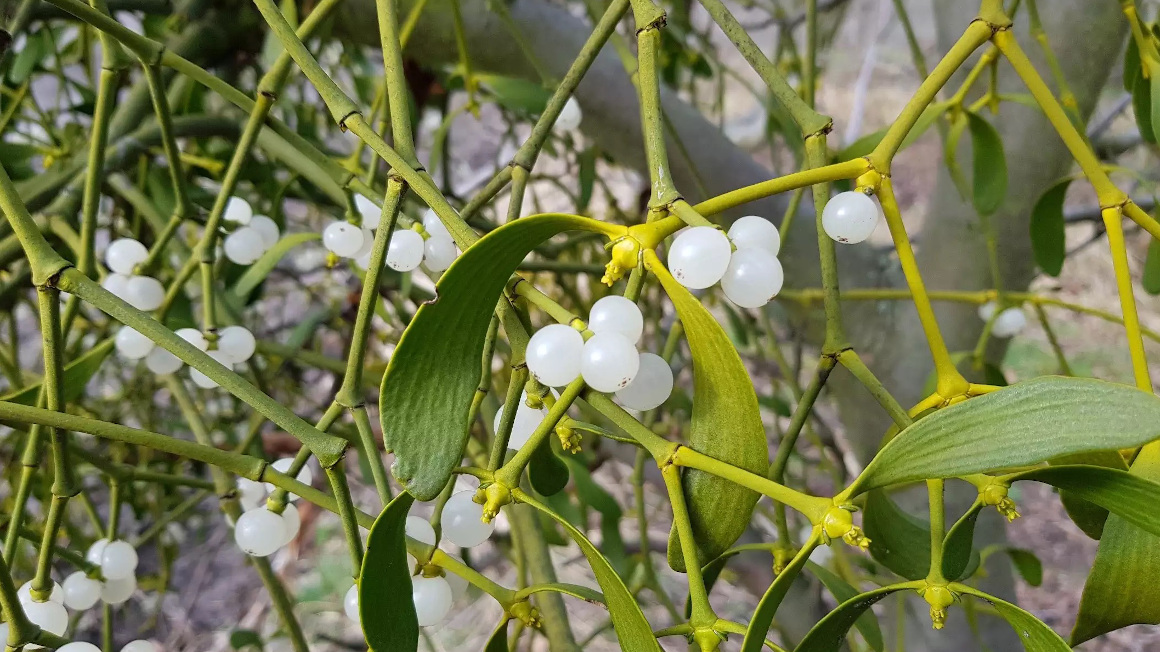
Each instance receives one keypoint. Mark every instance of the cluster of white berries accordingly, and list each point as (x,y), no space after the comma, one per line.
(407,249)
(463,525)
(1007,324)
(132,646)
(260,532)
(234,345)
(750,276)
(118,563)
(850,217)
(254,235)
(142,292)
(608,361)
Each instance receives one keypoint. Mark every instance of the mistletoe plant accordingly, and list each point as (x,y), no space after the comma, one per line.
(615,298)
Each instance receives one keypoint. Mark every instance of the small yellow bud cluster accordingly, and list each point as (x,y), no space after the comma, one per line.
(995,494)
(625,256)
(939,597)
(838,523)
(569,438)
(493,497)
(526,613)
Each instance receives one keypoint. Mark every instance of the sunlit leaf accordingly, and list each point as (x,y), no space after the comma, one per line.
(1032,632)
(437,358)
(632,628)
(1027,423)
(726,424)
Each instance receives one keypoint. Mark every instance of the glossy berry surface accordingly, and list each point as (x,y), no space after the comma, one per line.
(753,278)
(610,362)
(124,254)
(754,232)
(405,252)
(699,256)
(554,354)
(850,217)
(463,522)
(259,532)
(651,387)
(342,238)
(433,598)
(616,314)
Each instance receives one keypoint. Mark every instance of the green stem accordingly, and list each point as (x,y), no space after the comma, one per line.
(702,613)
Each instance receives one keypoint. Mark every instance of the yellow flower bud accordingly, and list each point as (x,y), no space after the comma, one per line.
(939,597)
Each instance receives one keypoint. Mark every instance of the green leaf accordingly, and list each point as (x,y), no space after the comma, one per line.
(36,47)
(1123,493)
(547,472)
(990,166)
(438,356)
(632,628)
(867,624)
(959,123)
(1027,423)
(1154,95)
(1028,565)
(898,540)
(241,639)
(1048,238)
(1088,516)
(960,559)
(866,144)
(389,623)
(1131,65)
(1123,587)
(1151,279)
(516,94)
(766,609)
(830,632)
(726,424)
(587,175)
(76,375)
(262,267)
(1032,632)
(498,642)
(1142,108)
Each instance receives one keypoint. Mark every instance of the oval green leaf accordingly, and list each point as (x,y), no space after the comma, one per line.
(767,608)
(1126,494)
(632,628)
(867,624)
(499,638)
(1123,587)
(429,383)
(898,540)
(1032,632)
(990,165)
(1142,108)
(76,376)
(389,624)
(830,632)
(1151,279)
(547,472)
(1024,424)
(1048,239)
(726,424)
